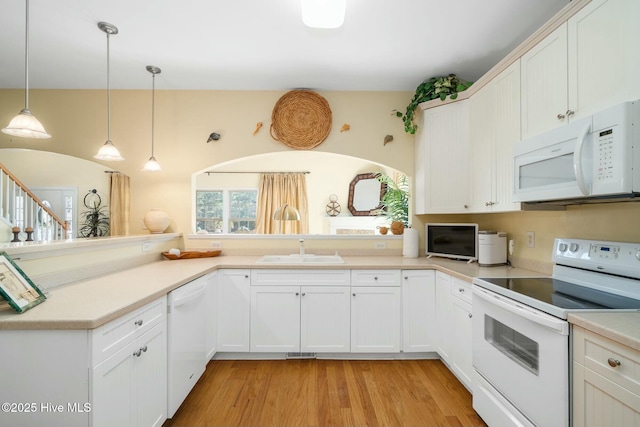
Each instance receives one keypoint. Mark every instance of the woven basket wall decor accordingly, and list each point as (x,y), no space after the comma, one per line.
(301,119)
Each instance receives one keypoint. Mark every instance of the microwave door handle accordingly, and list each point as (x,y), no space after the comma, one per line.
(577,160)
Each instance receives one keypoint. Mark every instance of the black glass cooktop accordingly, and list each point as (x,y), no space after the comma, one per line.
(564,295)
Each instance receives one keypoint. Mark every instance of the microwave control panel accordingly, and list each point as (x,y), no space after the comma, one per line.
(605,156)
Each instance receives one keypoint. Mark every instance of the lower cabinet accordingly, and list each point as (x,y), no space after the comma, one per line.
(454,325)
(418,311)
(130,388)
(233,310)
(606,381)
(375,311)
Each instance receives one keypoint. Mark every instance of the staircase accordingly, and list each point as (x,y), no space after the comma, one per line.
(23,212)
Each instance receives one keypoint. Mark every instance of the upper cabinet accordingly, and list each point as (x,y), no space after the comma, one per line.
(442,160)
(585,65)
(494,121)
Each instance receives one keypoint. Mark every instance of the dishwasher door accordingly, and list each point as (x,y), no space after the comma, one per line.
(186,340)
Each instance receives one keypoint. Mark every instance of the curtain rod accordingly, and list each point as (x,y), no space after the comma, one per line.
(210,172)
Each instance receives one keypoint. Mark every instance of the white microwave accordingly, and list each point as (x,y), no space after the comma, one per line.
(594,158)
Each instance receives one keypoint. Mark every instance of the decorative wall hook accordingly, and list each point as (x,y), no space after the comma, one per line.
(213,137)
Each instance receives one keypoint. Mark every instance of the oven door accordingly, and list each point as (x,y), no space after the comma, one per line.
(523,354)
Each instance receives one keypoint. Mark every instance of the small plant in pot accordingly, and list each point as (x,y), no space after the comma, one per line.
(395,202)
(434,88)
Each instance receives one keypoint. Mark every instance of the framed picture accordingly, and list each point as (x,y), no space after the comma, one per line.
(16,287)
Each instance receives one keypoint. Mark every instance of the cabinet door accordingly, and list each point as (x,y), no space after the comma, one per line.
(446,140)
(418,311)
(603,56)
(544,84)
(234,310)
(462,341)
(483,125)
(275,318)
(211,328)
(444,317)
(598,401)
(113,390)
(150,377)
(375,319)
(325,318)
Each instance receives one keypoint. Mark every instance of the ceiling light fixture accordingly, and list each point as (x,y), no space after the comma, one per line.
(323,13)
(25,124)
(108,151)
(152,164)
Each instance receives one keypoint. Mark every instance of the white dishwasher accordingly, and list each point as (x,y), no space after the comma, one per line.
(186,340)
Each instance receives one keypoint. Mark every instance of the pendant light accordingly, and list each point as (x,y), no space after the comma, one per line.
(323,13)
(108,151)
(152,164)
(25,124)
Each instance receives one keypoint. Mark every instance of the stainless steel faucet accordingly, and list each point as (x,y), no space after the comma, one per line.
(301,246)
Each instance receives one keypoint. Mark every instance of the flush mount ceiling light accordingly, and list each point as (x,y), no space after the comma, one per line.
(323,13)
(152,164)
(108,151)
(25,124)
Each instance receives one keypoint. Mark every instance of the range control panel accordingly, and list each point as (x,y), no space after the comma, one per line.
(613,257)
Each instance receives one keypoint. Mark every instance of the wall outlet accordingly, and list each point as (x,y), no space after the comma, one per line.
(146,246)
(380,245)
(216,245)
(531,239)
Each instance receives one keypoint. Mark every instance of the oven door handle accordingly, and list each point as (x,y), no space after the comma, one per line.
(543,319)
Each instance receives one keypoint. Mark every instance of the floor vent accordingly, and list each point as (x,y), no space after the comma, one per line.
(298,355)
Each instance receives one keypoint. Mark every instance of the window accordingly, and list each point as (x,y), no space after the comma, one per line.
(226,211)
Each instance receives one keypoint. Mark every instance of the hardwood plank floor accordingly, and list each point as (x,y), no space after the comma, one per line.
(290,393)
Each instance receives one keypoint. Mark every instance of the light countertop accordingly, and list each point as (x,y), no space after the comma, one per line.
(91,303)
(623,327)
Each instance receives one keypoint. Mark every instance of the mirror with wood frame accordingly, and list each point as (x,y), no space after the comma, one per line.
(365,195)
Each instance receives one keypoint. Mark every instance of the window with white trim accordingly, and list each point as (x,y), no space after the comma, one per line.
(226,211)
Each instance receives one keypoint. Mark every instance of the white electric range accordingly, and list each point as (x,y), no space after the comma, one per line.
(521,340)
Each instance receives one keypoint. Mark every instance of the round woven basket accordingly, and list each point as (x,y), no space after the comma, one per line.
(301,119)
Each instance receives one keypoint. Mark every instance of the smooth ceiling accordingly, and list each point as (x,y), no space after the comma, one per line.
(260,44)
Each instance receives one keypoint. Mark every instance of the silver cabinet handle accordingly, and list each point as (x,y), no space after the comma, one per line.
(304,293)
(297,293)
(470,315)
(570,113)
(138,322)
(461,290)
(375,278)
(137,353)
(614,363)
(246,276)
(354,294)
(144,349)
(560,116)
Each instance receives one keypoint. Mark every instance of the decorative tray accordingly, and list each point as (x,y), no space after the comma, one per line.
(192,254)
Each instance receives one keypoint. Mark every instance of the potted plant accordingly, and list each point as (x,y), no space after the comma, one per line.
(434,88)
(395,202)
(96,220)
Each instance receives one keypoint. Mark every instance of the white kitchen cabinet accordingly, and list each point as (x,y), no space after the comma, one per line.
(129,368)
(442,160)
(418,311)
(234,310)
(444,316)
(587,64)
(462,363)
(211,314)
(606,381)
(494,115)
(300,311)
(375,311)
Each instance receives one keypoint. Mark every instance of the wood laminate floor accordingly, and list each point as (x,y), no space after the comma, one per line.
(328,393)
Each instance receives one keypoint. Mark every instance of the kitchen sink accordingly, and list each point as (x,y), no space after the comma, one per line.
(301,259)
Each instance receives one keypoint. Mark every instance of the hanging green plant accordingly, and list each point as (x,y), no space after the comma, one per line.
(434,88)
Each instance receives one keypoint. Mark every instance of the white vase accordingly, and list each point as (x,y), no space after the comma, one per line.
(156,221)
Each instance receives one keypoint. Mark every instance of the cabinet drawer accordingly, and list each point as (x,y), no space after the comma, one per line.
(596,353)
(461,289)
(261,277)
(375,277)
(107,339)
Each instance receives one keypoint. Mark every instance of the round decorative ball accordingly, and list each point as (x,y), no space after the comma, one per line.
(397,227)
(156,221)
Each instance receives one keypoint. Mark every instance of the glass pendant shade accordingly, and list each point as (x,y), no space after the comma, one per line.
(323,13)
(109,152)
(25,125)
(152,165)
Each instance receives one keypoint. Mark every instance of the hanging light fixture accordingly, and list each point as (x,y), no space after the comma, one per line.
(323,13)
(108,151)
(152,164)
(25,124)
